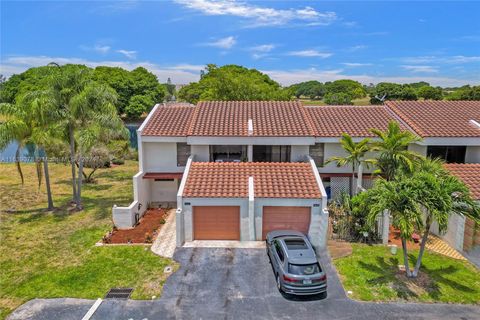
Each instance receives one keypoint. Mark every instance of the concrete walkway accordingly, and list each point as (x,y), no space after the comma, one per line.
(165,243)
(436,244)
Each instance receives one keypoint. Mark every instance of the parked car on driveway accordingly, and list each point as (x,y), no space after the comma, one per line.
(295,264)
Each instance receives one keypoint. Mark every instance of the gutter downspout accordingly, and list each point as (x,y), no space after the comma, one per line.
(251,209)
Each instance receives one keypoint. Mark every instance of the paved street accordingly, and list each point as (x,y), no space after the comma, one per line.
(216,283)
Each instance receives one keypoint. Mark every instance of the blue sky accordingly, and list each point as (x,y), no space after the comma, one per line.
(292,41)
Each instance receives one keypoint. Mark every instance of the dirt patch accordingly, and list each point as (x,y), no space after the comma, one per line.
(145,232)
(418,286)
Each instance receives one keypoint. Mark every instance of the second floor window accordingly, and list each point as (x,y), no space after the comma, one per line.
(451,154)
(183,152)
(317,152)
(271,153)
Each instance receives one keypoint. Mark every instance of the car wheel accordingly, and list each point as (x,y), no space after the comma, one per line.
(279,285)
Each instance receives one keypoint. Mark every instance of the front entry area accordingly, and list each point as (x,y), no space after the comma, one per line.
(216,222)
(282,218)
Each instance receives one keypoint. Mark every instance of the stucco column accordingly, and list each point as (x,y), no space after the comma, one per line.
(251,209)
(250,153)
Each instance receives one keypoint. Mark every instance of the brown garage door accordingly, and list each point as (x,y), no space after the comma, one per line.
(216,223)
(291,218)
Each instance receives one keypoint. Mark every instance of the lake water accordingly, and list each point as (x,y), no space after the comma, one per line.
(8,154)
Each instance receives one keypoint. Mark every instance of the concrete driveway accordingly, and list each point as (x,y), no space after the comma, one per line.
(215,283)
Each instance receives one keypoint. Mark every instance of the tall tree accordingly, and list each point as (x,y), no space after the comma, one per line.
(355,153)
(392,147)
(79,105)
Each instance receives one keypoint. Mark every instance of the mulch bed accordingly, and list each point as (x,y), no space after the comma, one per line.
(394,238)
(144,232)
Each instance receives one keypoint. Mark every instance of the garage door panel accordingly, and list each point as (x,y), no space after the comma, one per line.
(281,218)
(216,222)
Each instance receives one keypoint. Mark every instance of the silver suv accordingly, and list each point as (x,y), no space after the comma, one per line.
(297,270)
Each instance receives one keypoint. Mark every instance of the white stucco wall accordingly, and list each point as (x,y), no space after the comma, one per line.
(455,232)
(473,154)
(298,152)
(336,150)
(161,191)
(418,148)
(187,211)
(201,152)
(160,157)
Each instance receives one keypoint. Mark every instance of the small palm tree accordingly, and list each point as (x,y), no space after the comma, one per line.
(415,201)
(392,148)
(355,156)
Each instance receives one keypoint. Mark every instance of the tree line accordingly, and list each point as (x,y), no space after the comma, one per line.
(137,90)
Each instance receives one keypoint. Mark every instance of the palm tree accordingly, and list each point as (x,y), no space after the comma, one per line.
(416,200)
(440,195)
(355,156)
(26,124)
(392,148)
(82,108)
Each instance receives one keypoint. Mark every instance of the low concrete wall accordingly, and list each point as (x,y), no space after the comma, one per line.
(124,217)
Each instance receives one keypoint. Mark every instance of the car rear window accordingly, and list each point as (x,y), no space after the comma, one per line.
(296,244)
(304,269)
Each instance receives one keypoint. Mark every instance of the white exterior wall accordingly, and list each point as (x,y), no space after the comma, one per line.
(201,152)
(418,148)
(336,150)
(163,191)
(473,154)
(124,217)
(298,152)
(160,157)
(455,231)
(187,211)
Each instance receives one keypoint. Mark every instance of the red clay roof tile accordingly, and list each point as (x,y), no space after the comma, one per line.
(332,121)
(170,120)
(271,180)
(469,173)
(230,118)
(439,118)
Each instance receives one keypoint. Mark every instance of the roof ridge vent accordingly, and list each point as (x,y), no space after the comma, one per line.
(475,123)
(250,127)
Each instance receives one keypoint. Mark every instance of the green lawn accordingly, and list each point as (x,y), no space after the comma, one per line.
(371,274)
(47,255)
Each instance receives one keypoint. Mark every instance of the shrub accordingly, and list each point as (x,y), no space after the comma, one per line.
(337,99)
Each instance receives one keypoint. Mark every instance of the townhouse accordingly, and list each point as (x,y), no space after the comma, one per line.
(237,169)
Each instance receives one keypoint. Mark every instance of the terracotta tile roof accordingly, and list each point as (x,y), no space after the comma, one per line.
(169,120)
(469,173)
(271,180)
(332,121)
(439,118)
(230,118)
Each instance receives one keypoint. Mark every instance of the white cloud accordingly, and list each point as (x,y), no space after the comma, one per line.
(261,51)
(130,54)
(260,16)
(263,48)
(98,48)
(459,59)
(180,74)
(428,69)
(310,53)
(356,64)
(288,77)
(224,43)
(356,48)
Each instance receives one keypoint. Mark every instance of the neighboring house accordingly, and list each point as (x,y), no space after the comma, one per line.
(236,169)
(463,233)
